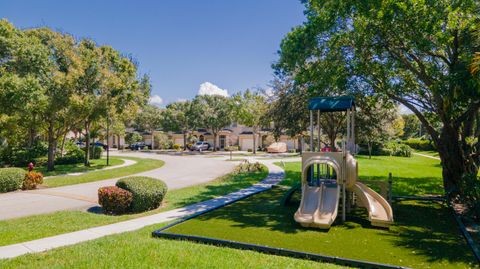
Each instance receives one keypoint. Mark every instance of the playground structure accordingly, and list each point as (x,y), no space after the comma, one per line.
(330,179)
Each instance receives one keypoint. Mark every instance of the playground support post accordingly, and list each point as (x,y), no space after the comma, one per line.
(312,149)
(319,130)
(353,131)
(348,129)
(344,179)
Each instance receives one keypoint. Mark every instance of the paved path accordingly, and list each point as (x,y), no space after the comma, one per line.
(275,175)
(427,156)
(178,172)
(126,162)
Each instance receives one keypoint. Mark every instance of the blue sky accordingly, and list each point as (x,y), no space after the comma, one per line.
(180,44)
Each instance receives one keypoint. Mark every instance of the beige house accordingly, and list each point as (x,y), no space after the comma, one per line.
(234,135)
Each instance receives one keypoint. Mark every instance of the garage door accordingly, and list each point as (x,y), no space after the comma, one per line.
(247,144)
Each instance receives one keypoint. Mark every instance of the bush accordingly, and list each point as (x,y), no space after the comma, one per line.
(470,194)
(32,179)
(247,167)
(11,179)
(249,150)
(22,156)
(147,192)
(74,155)
(114,200)
(396,149)
(176,146)
(232,148)
(419,144)
(95,152)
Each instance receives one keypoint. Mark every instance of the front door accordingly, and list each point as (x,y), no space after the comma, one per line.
(223,140)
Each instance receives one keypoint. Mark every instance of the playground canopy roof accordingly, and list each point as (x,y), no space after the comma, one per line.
(331,104)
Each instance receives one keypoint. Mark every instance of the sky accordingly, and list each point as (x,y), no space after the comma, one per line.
(186,47)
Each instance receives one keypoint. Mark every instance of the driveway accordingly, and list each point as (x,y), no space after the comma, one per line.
(178,172)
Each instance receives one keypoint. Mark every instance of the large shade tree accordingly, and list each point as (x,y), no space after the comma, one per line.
(214,112)
(250,109)
(417,53)
(180,117)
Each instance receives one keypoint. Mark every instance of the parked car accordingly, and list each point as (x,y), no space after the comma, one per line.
(137,146)
(100,144)
(200,146)
(80,144)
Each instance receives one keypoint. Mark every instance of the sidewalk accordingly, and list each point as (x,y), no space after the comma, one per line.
(276,174)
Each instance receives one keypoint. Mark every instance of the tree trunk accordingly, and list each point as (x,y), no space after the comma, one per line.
(118,144)
(453,159)
(184,140)
(63,144)
(214,141)
(254,143)
(87,143)
(153,140)
(331,137)
(369,145)
(51,147)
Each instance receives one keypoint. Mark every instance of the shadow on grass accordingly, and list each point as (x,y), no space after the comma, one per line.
(424,230)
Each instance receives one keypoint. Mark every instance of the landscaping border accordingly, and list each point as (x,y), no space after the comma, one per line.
(259,248)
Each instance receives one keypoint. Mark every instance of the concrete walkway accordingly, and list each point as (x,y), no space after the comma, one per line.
(126,162)
(275,175)
(178,172)
(426,156)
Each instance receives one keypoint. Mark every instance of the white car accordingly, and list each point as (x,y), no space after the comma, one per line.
(200,146)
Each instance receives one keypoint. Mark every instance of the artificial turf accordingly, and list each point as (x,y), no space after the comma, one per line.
(424,235)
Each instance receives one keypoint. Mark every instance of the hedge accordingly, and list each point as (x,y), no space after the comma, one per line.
(11,179)
(147,192)
(114,200)
(419,144)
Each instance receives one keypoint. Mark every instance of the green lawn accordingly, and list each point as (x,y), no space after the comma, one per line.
(411,176)
(425,234)
(139,250)
(141,165)
(34,227)
(79,167)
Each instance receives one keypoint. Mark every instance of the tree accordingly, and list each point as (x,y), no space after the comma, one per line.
(180,117)
(250,109)
(412,126)
(215,112)
(150,119)
(417,53)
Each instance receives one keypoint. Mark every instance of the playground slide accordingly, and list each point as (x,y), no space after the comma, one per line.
(379,210)
(308,205)
(326,214)
(319,206)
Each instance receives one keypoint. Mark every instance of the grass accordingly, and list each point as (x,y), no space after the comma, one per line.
(141,165)
(425,234)
(79,167)
(139,250)
(411,176)
(39,226)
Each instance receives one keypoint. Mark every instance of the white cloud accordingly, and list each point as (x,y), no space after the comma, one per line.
(181,100)
(156,100)
(269,92)
(208,88)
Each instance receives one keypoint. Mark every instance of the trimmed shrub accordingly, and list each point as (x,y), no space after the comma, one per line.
(32,180)
(11,179)
(95,152)
(396,149)
(74,155)
(419,144)
(247,167)
(148,193)
(176,146)
(114,200)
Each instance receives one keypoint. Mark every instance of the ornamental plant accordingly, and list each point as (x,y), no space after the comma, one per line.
(114,200)
(32,180)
